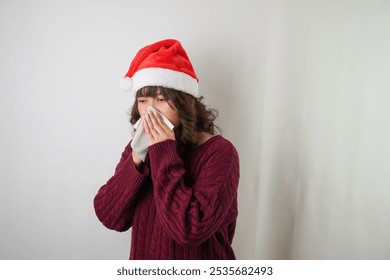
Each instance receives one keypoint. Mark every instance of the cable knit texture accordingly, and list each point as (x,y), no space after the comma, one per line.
(177,208)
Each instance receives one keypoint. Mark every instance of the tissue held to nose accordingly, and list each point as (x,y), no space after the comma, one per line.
(140,141)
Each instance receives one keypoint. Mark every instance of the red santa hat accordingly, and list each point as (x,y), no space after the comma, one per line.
(164,63)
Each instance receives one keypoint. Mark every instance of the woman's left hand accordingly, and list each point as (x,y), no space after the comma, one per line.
(156,130)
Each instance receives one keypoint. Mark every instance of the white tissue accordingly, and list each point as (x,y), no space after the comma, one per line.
(140,142)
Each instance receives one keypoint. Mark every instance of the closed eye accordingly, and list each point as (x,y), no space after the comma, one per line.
(160,98)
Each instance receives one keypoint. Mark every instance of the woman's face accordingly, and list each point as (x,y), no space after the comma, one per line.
(159,103)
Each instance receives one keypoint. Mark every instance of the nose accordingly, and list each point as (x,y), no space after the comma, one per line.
(152,102)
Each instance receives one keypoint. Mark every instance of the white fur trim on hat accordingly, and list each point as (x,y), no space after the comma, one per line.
(126,84)
(160,77)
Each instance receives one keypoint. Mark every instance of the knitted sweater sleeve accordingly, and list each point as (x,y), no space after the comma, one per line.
(115,201)
(191,214)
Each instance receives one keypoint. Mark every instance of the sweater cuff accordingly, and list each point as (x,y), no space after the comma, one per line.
(163,151)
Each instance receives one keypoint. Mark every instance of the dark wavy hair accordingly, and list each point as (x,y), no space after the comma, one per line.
(194,116)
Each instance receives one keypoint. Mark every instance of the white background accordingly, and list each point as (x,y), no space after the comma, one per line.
(303,91)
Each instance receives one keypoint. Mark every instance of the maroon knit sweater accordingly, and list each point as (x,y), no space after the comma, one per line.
(178,209)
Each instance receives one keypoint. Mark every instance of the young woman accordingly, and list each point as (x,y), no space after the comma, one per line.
(181,199)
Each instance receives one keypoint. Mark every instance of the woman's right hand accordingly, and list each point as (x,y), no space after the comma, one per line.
(136,159)
(138,162)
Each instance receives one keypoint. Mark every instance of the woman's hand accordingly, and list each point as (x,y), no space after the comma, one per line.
(137,161)
(156,130)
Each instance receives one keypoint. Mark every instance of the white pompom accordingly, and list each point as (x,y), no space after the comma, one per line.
(126,84)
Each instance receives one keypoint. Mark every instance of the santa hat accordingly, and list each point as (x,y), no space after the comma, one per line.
(164,63)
